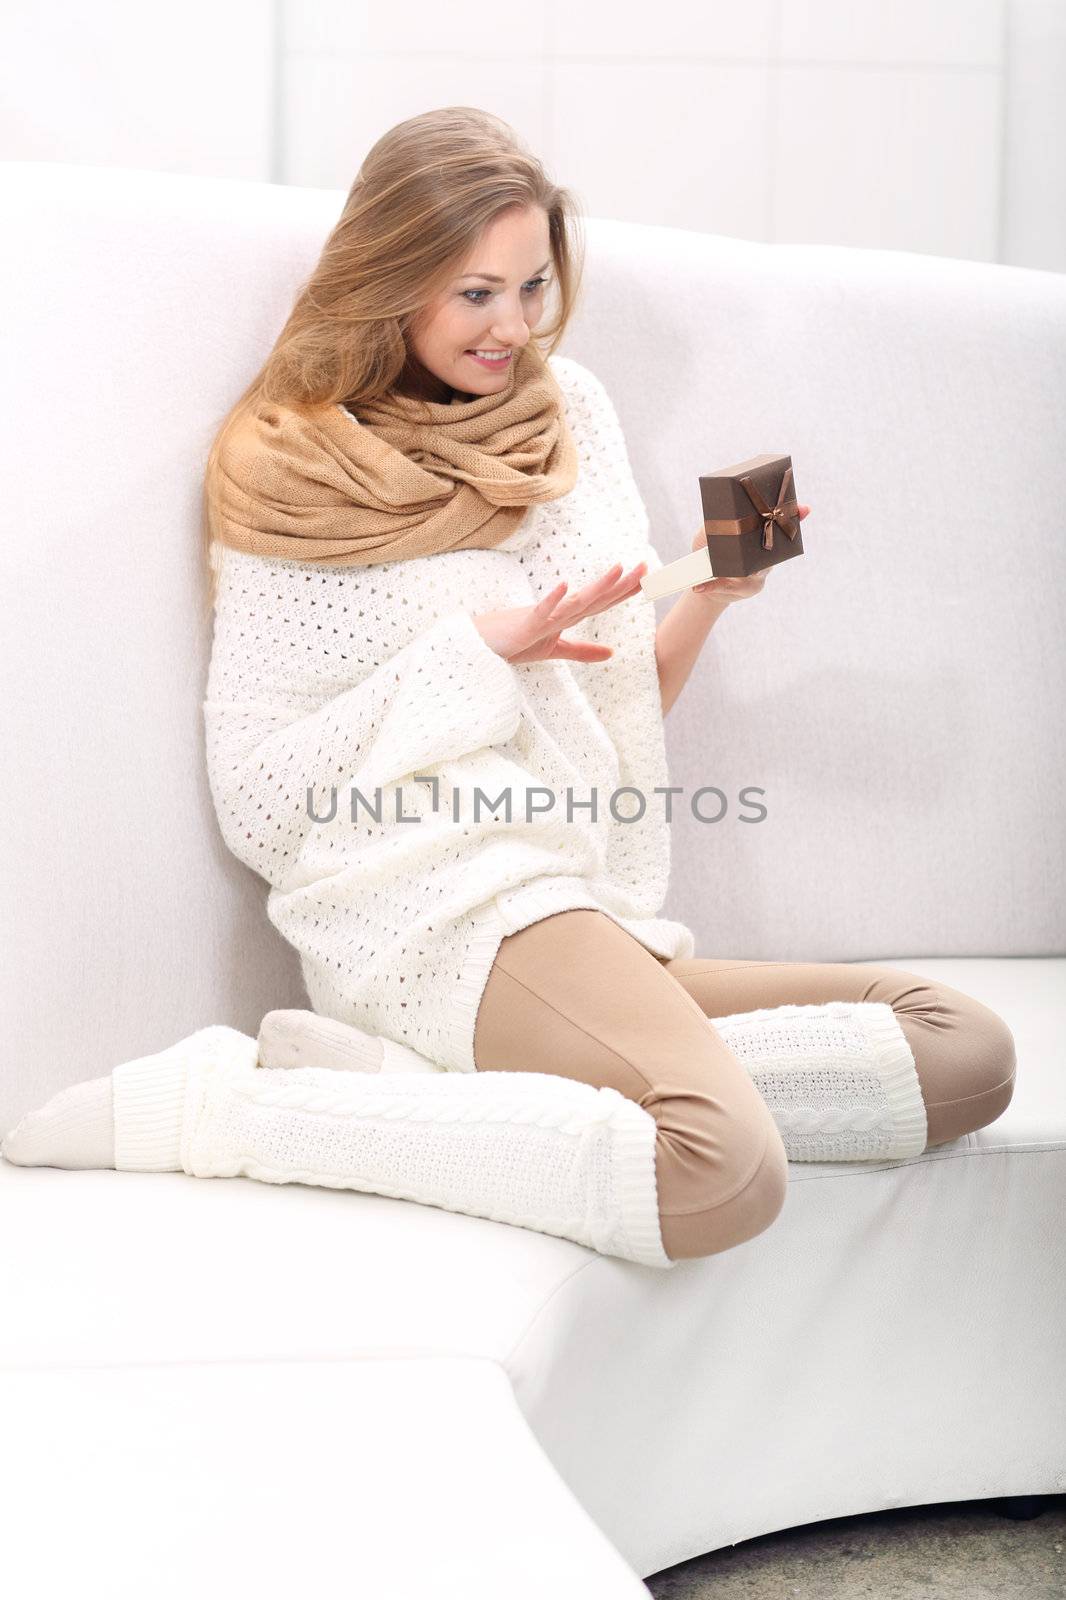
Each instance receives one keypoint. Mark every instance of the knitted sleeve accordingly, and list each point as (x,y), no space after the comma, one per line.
(624,689)
(270,740)
(624,692)
(609,460)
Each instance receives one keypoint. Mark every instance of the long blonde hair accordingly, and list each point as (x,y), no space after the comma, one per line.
(417,206)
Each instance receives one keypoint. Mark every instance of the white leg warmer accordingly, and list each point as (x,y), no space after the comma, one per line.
(531,1149)
(839,1079)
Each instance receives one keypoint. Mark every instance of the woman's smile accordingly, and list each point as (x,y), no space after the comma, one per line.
(501,361)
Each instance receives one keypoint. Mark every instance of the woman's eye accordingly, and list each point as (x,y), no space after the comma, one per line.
(531,288)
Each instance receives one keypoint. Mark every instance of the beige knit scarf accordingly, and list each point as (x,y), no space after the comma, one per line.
(387,486)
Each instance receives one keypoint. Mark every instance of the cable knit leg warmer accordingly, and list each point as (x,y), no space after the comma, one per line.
(839,1079)
(530,1149)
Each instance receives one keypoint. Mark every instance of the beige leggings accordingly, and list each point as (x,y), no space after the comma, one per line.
(576,995)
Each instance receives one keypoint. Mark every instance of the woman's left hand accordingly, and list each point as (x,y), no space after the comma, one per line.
(725,590)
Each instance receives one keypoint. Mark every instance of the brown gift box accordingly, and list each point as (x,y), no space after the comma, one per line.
(750,516)
(750,519)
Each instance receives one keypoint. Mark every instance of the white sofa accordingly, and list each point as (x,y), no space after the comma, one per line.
(218,1387)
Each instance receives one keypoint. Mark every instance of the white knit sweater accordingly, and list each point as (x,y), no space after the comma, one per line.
(333,678)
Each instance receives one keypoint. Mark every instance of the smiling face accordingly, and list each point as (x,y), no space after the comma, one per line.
(494,302)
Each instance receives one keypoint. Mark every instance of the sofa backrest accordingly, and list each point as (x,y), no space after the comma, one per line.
(895,694)
(897,691)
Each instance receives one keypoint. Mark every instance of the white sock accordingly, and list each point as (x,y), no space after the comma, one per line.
(75,1128)
(839,1079)
(304,1039)
(130,1119)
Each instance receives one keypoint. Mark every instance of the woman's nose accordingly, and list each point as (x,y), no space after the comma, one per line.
(512,329)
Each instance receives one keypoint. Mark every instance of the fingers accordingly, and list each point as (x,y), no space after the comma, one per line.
(596,596)
(625,587)
(556,649)
(557,610)
(632,583)
(579,594)
(545,604)
(578,650)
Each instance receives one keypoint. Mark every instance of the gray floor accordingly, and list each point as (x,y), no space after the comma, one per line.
(965,1550)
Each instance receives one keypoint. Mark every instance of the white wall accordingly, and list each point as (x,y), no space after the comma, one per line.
(185,88)
(1033,227)
(929,125)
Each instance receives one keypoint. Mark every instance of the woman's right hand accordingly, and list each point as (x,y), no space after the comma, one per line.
(533,633)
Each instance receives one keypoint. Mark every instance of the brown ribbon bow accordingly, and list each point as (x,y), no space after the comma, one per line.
(783,513)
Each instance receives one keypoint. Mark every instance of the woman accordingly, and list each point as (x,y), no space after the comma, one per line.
(429,547)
